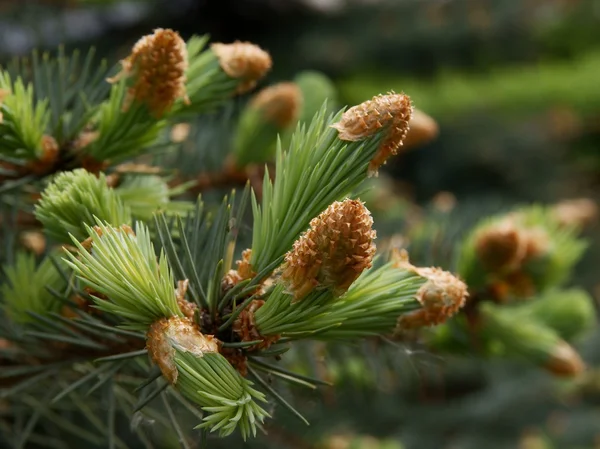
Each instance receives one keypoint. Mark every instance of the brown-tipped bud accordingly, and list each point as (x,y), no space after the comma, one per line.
(180,132)
(537,243)
(444,202)
(575,213)
(157,64)
(187,308)
(423,129)
(245,327)
(35,241)
(244,61)
(441,296)
(166,333)
(244,268)
(333,252)
(392,112)
(501,246)
(47,158)
(279,104)
(84,139)
(565,361)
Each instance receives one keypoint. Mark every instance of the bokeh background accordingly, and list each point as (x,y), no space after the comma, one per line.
(515,89)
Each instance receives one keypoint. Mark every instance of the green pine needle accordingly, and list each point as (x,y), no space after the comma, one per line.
(123,267)
(228,398)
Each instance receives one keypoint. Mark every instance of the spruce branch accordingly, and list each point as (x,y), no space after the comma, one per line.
(321,167)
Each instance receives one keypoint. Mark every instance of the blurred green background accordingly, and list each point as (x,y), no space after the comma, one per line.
(515,89)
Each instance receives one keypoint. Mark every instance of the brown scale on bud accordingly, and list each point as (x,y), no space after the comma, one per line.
(441,296)
(245,327)
(244,271)
(188,308)
(43,164)
(166,333)
(507,245)
(333,252)
(243,61)
(565,361)
(577,213)
(157,64)
(392,112)
(279,104)
(48,157)
(237,359)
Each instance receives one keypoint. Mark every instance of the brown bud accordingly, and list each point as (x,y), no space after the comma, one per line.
(33,241)
(391,111)
(441,296)
(244,268)
(423,129)
(520,284)
(167,332)
(537,243)
(47,158)
(188,308)
(85,138)
(444,201)
(333,252)
(157,64)
(565,361)
(280,104)
(237,359)
(180,132)
(501,246)
(576,213)
(245,327)
(244,61)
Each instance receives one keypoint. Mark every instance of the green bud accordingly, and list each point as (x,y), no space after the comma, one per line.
(73,199)
(25,289)
(569,312)
(316,88)
(272,111)
(528,340)
(147,194)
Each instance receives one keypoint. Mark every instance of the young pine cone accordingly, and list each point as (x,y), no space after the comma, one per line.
(333,252)
(391,111)
(157,65)
(441,296)
(243,61)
